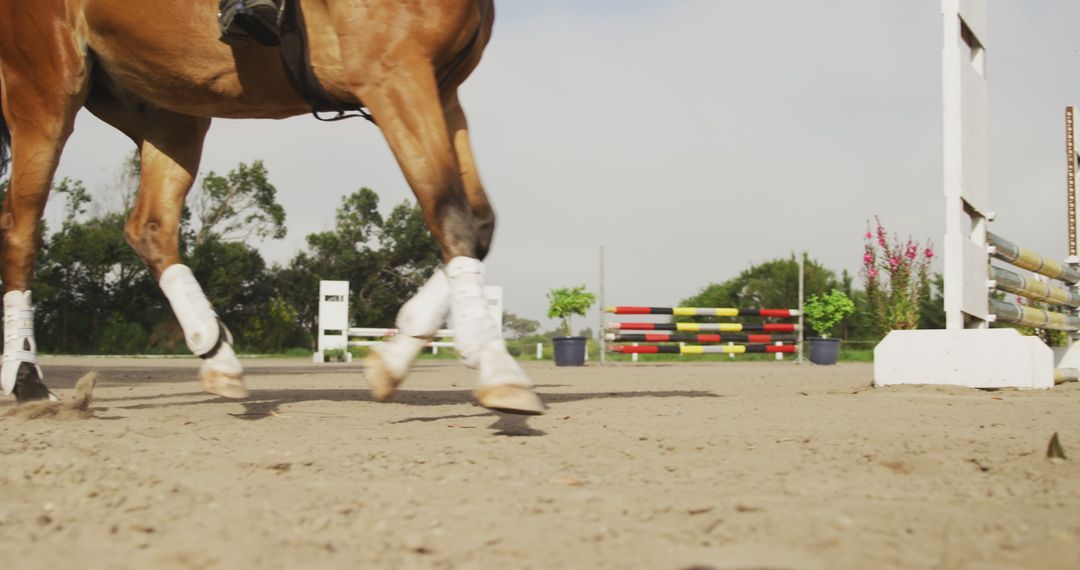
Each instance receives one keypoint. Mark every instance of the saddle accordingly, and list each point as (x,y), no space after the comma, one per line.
(280,23)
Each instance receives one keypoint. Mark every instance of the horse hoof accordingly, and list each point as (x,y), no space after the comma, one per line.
(223,384)
(382,381)
(510,399)
(29,386)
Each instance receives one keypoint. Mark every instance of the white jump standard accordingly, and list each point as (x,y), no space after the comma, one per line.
(967,352)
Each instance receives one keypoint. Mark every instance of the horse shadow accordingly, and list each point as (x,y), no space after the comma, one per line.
(267,403)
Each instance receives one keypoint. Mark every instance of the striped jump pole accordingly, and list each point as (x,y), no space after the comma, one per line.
(717,349)
(1066,375)
(1029,316)
(699,327)
(702,312)
(1017,284)
(1024,258)
(766,342)
(700,338)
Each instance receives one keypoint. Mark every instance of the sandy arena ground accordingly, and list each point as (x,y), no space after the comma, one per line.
(709,465)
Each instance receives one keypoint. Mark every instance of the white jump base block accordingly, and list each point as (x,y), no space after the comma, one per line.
(974,358)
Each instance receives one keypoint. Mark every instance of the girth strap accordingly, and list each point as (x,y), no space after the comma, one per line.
(296,58)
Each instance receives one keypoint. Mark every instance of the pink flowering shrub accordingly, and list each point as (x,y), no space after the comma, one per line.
(897,276)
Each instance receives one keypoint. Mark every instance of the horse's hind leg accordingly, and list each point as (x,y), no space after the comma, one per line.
(418,320)
(407,105)
(44,83)
(170,149)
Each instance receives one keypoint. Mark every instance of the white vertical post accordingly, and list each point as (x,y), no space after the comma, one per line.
(967,352)
(539,350)
(779,355)
(966,188)
(602,313)
(633,357)
(802,279)
(1072,164)
(333,318)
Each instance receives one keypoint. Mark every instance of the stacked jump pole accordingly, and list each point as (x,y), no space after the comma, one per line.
(704,338)
(968,352)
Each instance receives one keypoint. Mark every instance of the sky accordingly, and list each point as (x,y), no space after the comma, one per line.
(692,139)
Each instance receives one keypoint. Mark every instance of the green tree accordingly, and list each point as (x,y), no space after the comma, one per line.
(93,293)
(773,285)
(385,260)
(518,327)
(238,206)
(932,304)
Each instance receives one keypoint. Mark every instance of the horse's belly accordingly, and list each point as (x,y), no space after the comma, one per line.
(167,53)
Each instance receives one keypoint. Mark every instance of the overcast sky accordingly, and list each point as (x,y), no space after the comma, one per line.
(693,138)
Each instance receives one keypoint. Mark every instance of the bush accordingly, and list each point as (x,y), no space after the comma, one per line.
(823,312)
(569,301)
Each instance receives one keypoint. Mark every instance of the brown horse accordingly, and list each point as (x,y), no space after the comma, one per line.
(155,70)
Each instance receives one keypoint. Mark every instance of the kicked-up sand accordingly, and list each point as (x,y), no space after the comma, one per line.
(731,465)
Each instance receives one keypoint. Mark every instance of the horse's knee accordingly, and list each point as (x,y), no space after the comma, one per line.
(137,233)
(151,244)
(484,226)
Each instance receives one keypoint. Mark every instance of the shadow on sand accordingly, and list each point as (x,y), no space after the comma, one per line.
(264,404)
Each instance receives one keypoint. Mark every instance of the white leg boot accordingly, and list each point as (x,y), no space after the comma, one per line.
(417,322)
(20,372)
(221,372)
(503,385)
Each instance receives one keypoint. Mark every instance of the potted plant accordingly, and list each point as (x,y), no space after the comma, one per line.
(823,313)
(566,302)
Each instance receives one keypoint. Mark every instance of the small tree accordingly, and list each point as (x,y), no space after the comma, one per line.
(517,326)
(569,301)
(823,312)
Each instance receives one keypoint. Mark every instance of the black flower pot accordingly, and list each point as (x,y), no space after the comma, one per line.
(823,350)
(569,350)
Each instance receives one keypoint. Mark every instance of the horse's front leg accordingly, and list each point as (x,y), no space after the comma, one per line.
(44,83)
(408,108)
(170,149)
(169,164)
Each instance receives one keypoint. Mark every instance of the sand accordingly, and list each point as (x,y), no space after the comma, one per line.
(703,465)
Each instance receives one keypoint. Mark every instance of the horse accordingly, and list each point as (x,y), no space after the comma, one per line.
(156,71)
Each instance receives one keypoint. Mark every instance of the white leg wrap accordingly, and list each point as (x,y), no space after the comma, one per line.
(223,362)
(427,310)
(19,344)
(477,338)
(192,309)
(417,322)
